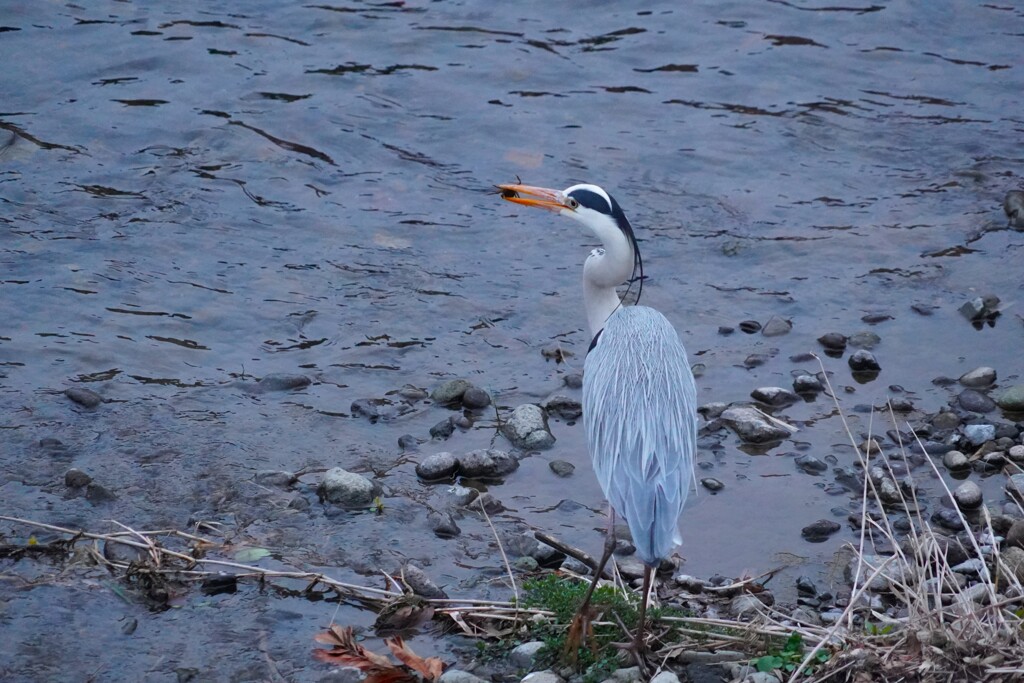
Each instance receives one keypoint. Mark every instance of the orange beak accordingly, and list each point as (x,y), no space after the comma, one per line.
(540,197)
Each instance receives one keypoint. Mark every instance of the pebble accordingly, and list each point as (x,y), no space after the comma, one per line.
(955,460)
(573,380)
(564,407)
(862,361)
(712,410)
(527,428)
(628,674)
(450,391)
(975,401)
(753,427)
(864,340)
(462,495)
(755,360)
(968,495)
(523,656)
(487,463)
(412,393)
(408,442)
(806,585)
(123,554)
(980,307)
(443,429)
(75,478)
(462,422)
(1015,535)
(1016,453)
(820,530)
(948,518)
(1013,207)
(562,468)
(774,396)
(875,318)
(476,398)
(750,326)
(527,565)
(833,341)
(372,408)
(86,398)
(712,485)
(443,524)
(492,505)
(279,381)
(97,493)
(979,433)
(946,420)
(978,377)
(1013,560)
(725,330)
(807,384)
(347,489)
(776,327)
(810,464)
(275,478)
(1012,400)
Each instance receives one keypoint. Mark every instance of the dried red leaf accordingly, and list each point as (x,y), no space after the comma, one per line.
(347,652)
(430,668)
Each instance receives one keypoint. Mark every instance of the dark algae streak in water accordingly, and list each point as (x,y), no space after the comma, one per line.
(198,200)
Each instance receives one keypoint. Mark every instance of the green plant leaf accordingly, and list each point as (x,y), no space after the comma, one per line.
(768,663)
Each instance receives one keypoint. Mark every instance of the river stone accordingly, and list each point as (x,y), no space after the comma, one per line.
(574,380)
(527,428)
(833,341)
(1015,535)
(665,676)
(820,530)
(774,396)
(451,391)
(1015,486)
(437,466)
(459,676)
(810,464)
(408,442)
(275,478)
(946,420)
(1013,207)
(864,340)
(279,381)
(347,489)
(372,408)
(750,326)
(980,307)
(979,434)
(807,384)
(562,468)
(443,429)
(975,401)
(862,361)
(412,392)
(476,398)
(978,377)
(745,605)
(1012,400)
(76,478)
(753,427)
(420,583)
(712,410)
(1013,559)
(97,493)
(955,460)
(443,524)
(86,398)
(712,485)
(1016,453)
(563,406)
(776,327)
(523,656)
(543,677)
(968,495)
(487,464)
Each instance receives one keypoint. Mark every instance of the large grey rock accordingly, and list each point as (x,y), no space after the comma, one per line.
(863,361)
(774,396)
(979,434)
(1012,400)
(752,426)
(527,428)
(975,401)
(542,677)
(955,460)
(347,489)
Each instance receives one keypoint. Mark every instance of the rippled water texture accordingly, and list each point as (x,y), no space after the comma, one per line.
(194,195)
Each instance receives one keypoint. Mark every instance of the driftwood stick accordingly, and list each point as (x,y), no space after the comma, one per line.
(569,550)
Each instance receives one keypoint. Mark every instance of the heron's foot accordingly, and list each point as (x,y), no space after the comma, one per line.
(638,651)
(581,634)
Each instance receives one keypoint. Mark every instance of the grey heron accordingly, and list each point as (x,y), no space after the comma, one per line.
(639,396)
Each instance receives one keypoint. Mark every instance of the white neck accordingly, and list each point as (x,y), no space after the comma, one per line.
(604,270)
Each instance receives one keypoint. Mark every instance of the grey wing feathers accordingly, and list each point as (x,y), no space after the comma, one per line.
(639,409)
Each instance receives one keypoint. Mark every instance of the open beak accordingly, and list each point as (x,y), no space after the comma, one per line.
(527,195)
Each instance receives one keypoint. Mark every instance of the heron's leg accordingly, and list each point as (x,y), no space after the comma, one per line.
(639,644)
(580,626)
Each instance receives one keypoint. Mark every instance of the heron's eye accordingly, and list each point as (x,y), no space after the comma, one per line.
(572,203)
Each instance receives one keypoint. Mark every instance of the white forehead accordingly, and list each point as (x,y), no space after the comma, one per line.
(593,188)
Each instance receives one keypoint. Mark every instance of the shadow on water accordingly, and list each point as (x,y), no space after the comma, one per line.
(194,198)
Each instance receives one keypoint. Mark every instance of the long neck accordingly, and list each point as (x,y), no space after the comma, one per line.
(604,270)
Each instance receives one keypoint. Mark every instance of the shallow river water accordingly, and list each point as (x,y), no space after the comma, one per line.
(194,195)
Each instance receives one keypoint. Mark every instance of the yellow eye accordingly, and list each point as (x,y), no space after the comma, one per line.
(572,203)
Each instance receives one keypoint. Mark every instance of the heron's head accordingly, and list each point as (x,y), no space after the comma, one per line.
(588,204)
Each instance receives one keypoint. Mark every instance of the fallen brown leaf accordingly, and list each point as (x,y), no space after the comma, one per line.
(345,651)
(430,668)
